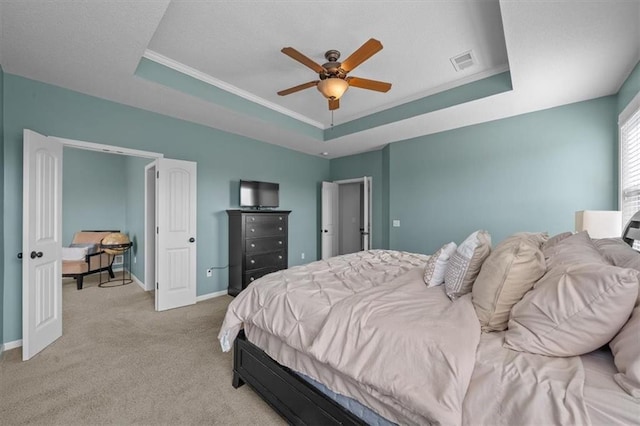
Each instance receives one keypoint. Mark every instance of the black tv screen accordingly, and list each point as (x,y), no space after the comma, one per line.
(258,194)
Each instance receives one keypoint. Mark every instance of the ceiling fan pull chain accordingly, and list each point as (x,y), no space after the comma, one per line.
(331,118)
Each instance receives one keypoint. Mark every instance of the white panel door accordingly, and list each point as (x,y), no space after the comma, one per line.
(41,243)
(366,214)
(176,230)
(330,194)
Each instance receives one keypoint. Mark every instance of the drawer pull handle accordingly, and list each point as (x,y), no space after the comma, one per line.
(280,218)
(280,242)
(280,228)
(252,219)
(280,257)
(253,261)
(251,279)
(253,230)
(253,245)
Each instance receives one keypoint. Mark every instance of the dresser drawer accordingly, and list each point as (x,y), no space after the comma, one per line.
(258,245)
(263,260)
(265,218)
(265,229)
(251,276)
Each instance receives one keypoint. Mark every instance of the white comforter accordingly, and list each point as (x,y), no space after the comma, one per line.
(417,356)
(370,317)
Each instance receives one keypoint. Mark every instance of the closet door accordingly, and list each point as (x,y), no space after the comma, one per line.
(176,230)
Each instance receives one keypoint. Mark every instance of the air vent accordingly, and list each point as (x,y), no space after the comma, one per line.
(463,61)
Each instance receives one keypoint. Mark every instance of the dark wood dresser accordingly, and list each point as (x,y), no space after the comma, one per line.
(258,241)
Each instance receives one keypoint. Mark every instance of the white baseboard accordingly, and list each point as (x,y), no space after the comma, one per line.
(137,281)
(10,345)
(210,295)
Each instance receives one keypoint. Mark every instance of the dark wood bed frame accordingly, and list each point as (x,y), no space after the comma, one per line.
(289,395)
(296,400)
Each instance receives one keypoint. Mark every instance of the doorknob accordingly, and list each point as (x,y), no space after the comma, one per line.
(39,254)
(20,255)
(191,240)
(33,254)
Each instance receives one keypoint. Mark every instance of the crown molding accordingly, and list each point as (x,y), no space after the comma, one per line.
(206,78)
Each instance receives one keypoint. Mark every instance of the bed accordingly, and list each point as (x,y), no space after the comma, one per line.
(366,339)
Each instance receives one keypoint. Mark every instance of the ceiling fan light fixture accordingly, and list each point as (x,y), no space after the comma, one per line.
(333,87)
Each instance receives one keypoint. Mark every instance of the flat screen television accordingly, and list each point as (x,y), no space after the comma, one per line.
(254,194)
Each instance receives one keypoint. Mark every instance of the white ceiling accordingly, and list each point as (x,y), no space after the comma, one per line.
(558,52)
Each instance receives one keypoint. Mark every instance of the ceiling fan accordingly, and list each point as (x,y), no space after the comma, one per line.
(333,75)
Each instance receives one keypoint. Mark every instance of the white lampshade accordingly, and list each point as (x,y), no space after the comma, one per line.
(333,88)
(599,223)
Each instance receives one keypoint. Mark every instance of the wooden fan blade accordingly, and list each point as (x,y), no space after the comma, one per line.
(297,88)
(334,104)
(363,53)
(294,54)
(363,83)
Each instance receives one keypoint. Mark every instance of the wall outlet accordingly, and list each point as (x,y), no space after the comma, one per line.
(209,273)
(302,256)
(396,223)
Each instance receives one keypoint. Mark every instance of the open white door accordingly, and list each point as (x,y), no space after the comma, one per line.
(366,214)
(41,243)
(176,230)
(329,219)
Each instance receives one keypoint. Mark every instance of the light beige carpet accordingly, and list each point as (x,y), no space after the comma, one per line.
(120,362)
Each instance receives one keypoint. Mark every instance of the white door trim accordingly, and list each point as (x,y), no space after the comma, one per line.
(150,257)
(109,149)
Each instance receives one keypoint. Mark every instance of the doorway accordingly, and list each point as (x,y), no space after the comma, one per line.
(175,203)
(346,216)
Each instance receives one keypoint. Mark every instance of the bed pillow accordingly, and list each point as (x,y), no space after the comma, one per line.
(555,240)
(436,266)
(578,248)
(625,348)
(619,253)
(465,264)
(573,310)
(508,273)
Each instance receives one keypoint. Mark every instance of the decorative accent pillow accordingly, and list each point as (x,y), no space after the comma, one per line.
(437,265)
(578,248)
(465,264)
(574,309)
(508,273)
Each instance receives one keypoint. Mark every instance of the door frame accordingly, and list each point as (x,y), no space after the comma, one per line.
(112,149)
(370,206)
(150,195)
(91,146)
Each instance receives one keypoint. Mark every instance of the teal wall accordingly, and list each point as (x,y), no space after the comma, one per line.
(93,192)
(356,166)
(629,89)
(222,160)
(526,173)
(135,181)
